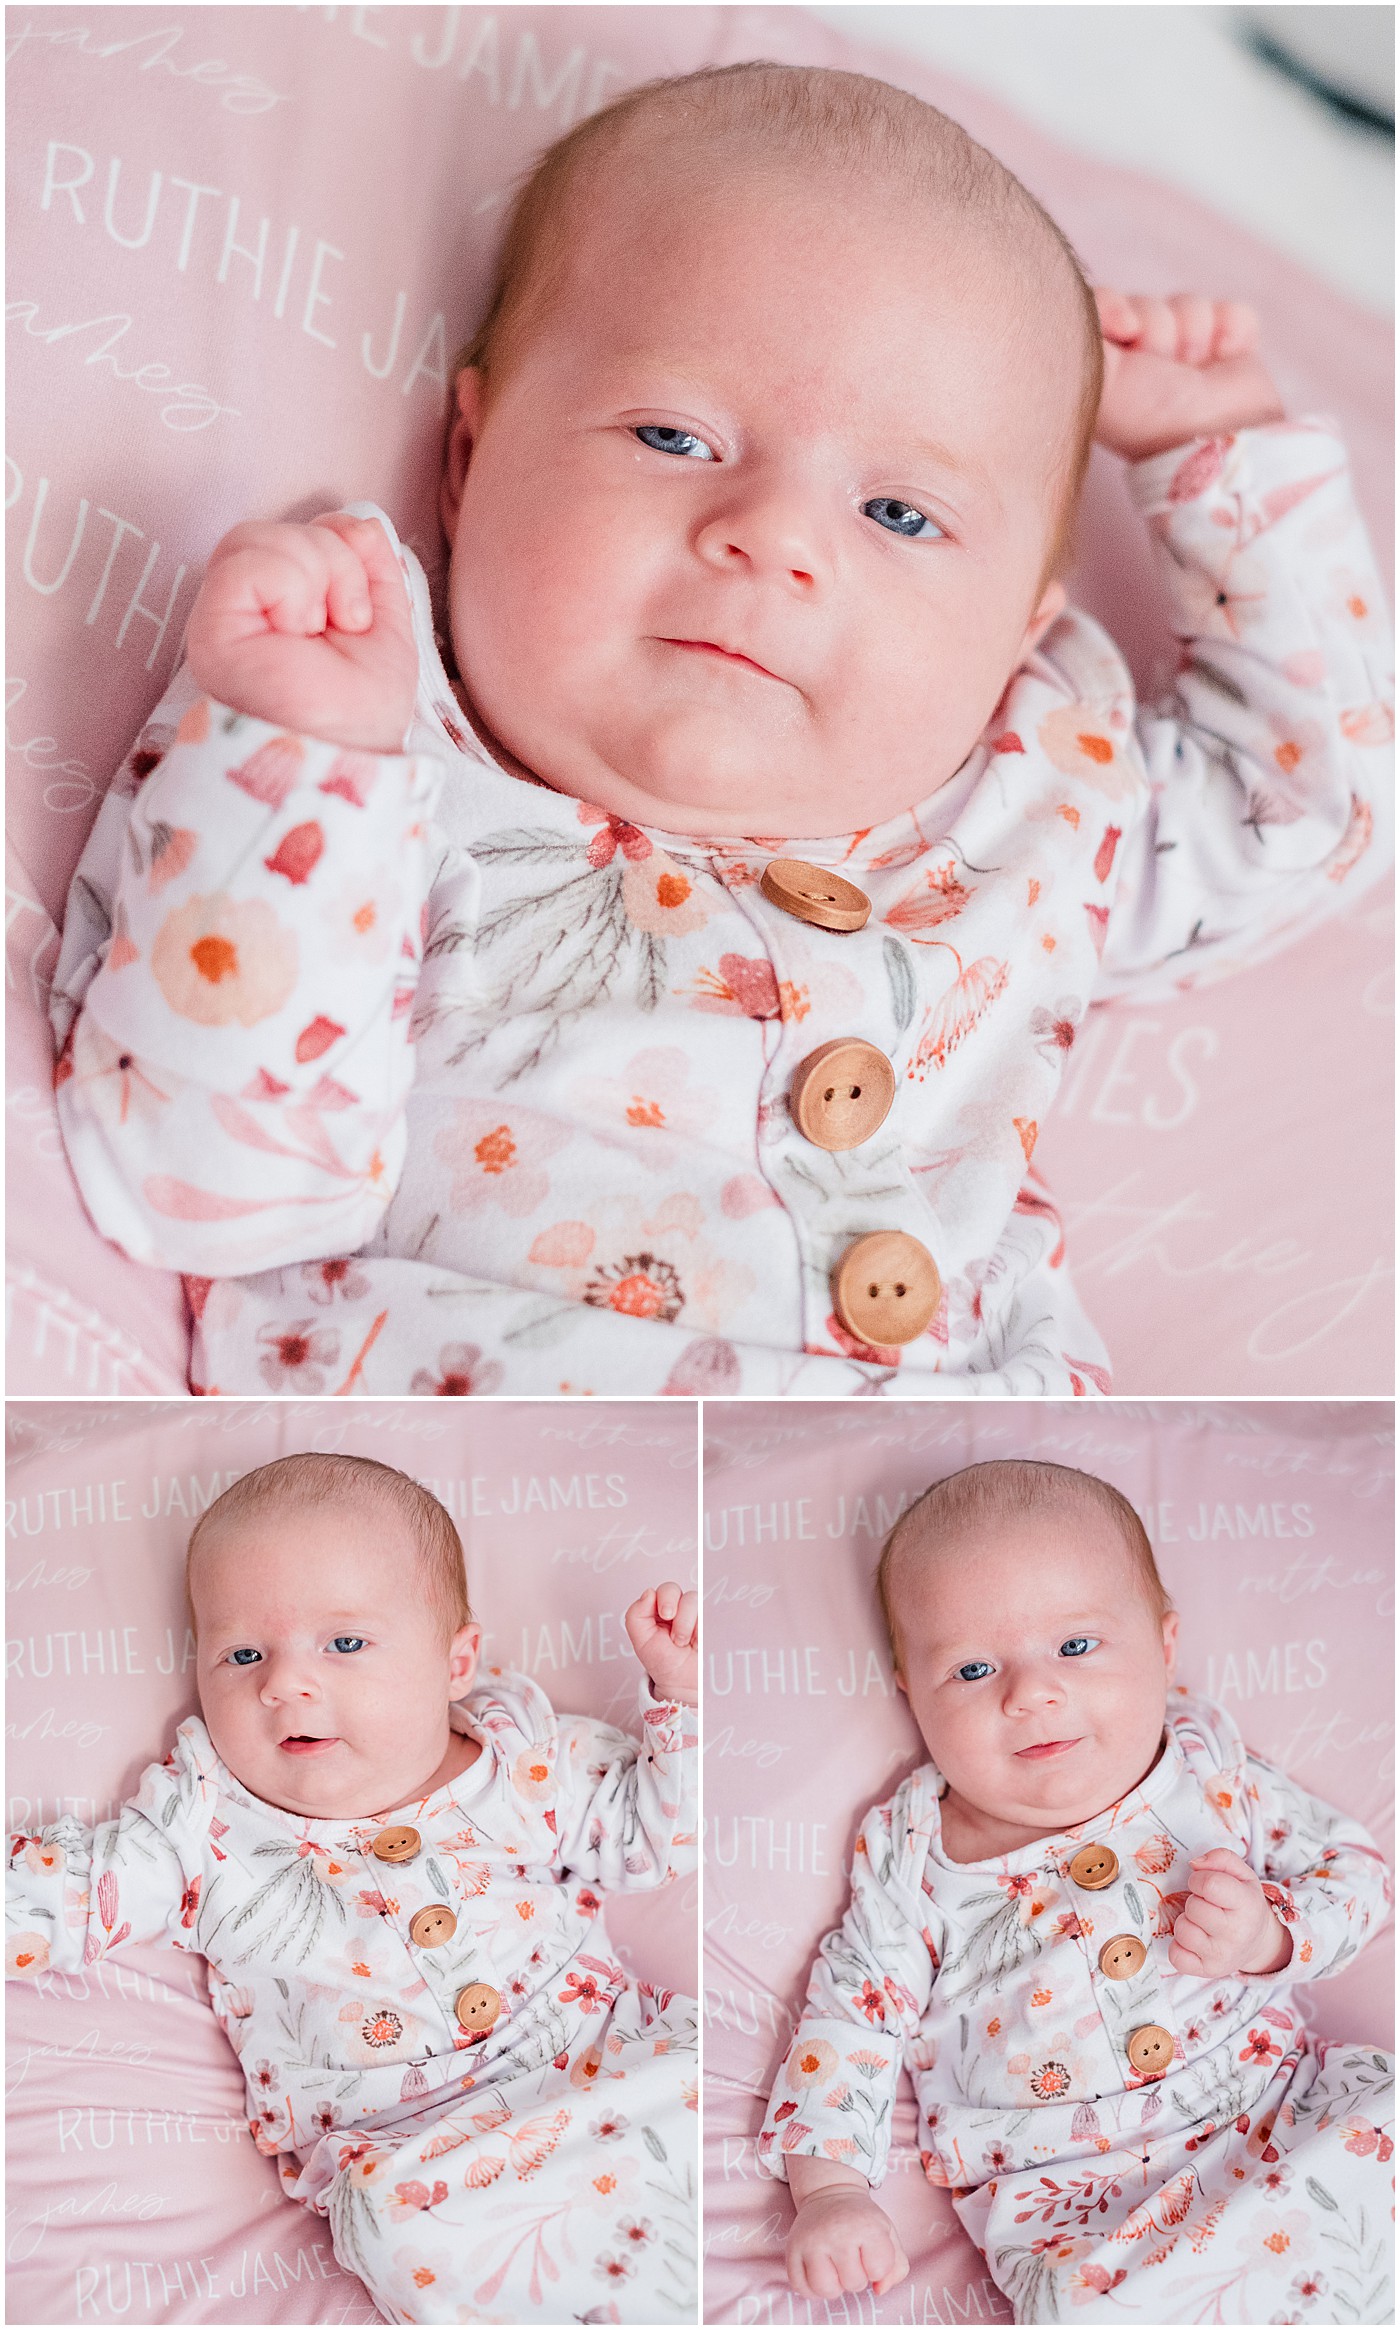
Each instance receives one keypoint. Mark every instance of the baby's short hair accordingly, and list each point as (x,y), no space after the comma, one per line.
(998,1490)
(316,1479)
(816,115)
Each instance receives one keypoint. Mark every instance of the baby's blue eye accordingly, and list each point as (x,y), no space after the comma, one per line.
(347,1642)
(1077,1645)
(243,1658)
(974,1670)
(681,441)
(901,518)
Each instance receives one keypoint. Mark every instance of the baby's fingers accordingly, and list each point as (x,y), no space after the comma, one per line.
(684,1620)
(367,570)
(1236,329)
(1195,328)
(885,2262)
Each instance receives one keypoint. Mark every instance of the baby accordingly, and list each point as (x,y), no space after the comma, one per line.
(395,1870)
(1080,1924)
(665,993)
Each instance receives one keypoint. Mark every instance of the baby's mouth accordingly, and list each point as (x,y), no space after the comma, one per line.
(1045,1748)
(303,1744)
(730,654)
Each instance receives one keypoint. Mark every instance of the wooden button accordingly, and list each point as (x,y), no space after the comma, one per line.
(886,1288)
(814,895)
(1150,2050)
(842,1093)
(1122,1955)
(1093,1867)
(396,1844)
(477,2007)
(433,1926)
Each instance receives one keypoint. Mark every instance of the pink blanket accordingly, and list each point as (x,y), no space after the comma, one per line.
(245,246)
(135,2193)
(1273,1529)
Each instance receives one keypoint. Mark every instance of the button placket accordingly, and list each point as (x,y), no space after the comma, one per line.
(1127,1995)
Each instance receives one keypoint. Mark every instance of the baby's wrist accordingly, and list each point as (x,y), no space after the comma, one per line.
(672,1698)
(1274,1951)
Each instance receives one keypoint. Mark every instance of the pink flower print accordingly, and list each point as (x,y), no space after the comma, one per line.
(1088,741)
(1360,2137)
(272,772)
(1050,2081)
(26,1954)
(340,1275)
(116,1084)
(462,1374)
(587,1902)
(172,848)
(871,2002)
(637,2232)
(584,1990)
(811,2059)
(609,2128)
(1309,2287)
(266,2076)
(1155,1855)
(640,1286)
(1095,2281)
(497,1155)
(410,2199)
(1053,1032)
(616,835)
(323,2119)
(361,916)
(662,899)
(1224,605)
(1260,2048)
(189,1901)
(1199,471)
(744,986)
(653,1095)
(295,1357)
(217,959)
(298,853)
(614,2269)
(952,1019)
(996,2159)
(145,757)
(1353,598)
(936,898)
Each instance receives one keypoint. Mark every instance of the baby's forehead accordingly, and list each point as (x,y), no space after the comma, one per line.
(300,1547)
(1060,1548)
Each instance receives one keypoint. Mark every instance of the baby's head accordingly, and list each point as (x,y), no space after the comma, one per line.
(763,461)
(1025,1613)
(330,1606)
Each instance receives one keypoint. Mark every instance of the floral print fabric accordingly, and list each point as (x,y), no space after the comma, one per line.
(1095,2192)
(516,1071)
(389,2116)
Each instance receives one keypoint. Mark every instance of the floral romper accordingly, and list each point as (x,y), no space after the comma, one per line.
(1241,2176)
(439,2047)
(432,1079)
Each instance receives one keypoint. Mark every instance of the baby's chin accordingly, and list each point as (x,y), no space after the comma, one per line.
(703,775)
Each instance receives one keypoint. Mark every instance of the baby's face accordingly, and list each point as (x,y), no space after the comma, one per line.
(1036,1669)
(754,522)
(324,1677)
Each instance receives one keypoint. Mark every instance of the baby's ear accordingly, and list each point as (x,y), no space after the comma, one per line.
(461,438)
(1053,601)
(464,1652)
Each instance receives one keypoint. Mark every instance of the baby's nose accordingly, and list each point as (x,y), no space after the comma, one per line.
(285,1678)
(770,531)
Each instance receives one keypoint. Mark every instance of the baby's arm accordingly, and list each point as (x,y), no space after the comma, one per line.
(73,1894)
(1269,760)
(828,2123)
(1300,1903)
(627,1814)
(233,1001)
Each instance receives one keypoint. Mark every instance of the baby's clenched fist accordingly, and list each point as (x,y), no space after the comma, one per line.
(1227,1926)
(1178,368)
(662,1625)
(843,2241)
(310,627)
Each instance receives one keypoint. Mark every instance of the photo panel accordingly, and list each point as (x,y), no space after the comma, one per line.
(1272,1528)
(146,2180)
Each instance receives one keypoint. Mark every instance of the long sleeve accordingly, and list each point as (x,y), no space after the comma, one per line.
(233,1000)
(869,1987)
(1269,762)
(627,1814)
(1323,1876)
(73,1894)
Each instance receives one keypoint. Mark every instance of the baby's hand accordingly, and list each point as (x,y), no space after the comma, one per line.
(309,626)
(1227,1926)
(843,2240)
(1176,369)
(662,1624)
